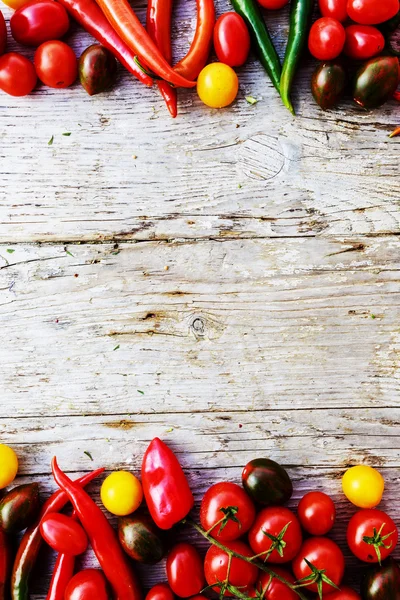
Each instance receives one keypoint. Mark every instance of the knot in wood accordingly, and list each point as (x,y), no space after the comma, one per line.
(198,327)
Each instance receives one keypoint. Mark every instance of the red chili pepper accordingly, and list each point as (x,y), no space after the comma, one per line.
(32,540)
(90,16)
(102,537)
(62,574)
(158,24)
(166,489)
(194,61)
(5,564)
(395,133)
(125,22)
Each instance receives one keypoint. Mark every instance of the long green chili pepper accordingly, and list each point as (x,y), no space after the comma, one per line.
(300,18)
(267,54)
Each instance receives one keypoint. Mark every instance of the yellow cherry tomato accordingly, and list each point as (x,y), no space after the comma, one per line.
(121,493)
(363,486)
(8,466)
(217,85)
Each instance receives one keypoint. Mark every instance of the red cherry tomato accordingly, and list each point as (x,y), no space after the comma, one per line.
(273,4)
(363,41)
(372,535)
(63,534)
(283,527)
(325,556)
(317,513)
(231,39)
(228,507)
(345,593)
(17,74)
(273,589)
(185,570)
(372,12)
(3,34)
(336,9)
(161,591)
(38,22)
(87,585)
(56,64)
(242,574)
(326,38)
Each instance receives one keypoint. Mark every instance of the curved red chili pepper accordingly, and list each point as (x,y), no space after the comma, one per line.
(159,27)
(194,61)
(102,537)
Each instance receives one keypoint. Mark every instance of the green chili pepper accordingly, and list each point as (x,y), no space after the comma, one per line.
(300,18)
(261,39)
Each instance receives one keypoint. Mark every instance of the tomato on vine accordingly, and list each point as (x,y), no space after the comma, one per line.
(276,535)
(272,588)
(319,565)
(345,593)
(226,511)
(241,573)
(372,535)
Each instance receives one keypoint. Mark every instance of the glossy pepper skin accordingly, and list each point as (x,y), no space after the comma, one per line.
(62,575)
(91,18)
(266,51)
(5,564)
(300,18)
(32,541)
(166,489)
(158,24)
(19,508)
(103,538)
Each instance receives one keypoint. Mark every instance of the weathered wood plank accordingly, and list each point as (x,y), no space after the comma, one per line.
(236,325)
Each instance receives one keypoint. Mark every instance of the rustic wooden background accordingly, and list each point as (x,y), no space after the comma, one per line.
(228,281)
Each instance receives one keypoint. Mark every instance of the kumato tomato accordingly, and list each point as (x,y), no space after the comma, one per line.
(363,42)
(161,591)
(56,64)
(267,482)
(185,570)
(328,83)
(89,584)
(39,22)
(336,9)
(217,85)
(226,511)
(141,539)
(372,535)
(363,486)
(316,512)
(63,534)
(345,593)
(242,574)
(374,83)
(231,39)
(276,535)
(326,38)
(382,582)
(8,458)
(372,12)
(327,563)
(273,588)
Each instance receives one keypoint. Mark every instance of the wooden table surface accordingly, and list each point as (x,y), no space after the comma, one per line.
(228,281)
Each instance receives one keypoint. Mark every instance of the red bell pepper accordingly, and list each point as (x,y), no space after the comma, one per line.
(5,564)
(103,538)
(166,489)
(194,61)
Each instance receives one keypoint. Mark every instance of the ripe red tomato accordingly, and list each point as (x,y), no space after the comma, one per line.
(273,4)
(242,574)
(372,12)
(38,22)
(86,585)
(17,74)
(56,64)
(226,511)
(336,9)
(325,556)
(363,41)
(317,513)
(372,535)
(326,38)
(345,593)
(273,589)
(231,39)
(161,591)
(3,34)
(284,535)
(185,570)
(63,534)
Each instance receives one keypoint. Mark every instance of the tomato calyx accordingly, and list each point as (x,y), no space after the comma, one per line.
(377,540)
(317,576)
(278,543)
(229,513)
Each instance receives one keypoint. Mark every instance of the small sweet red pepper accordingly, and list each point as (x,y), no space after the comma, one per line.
(166,489)
(103,538)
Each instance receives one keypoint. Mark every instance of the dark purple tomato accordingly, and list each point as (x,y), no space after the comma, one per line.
(376,81)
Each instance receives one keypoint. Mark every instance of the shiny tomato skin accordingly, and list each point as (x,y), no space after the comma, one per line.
(38,22)
(222,496)
(317,513)
(56,64)
(345,593)
(272,520)
(17,74)
(87,585)
(63,534)
(161,591)
(3,34)
(326,38)
(273,4)
(185,570)
(363,42)
(242,574)
(361,525)
(323,554)
(372,12)
(275,589)
(336,9)
(231,39)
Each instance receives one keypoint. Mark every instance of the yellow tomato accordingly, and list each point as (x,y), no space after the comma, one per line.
(8,466)
(121,493)
(363,486)
(217,85)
